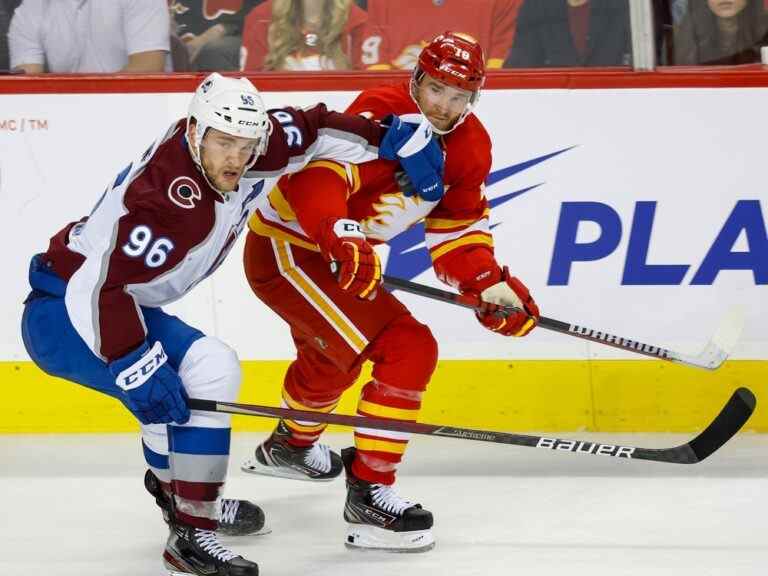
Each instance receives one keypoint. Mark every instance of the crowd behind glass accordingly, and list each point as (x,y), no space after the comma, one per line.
(88,36)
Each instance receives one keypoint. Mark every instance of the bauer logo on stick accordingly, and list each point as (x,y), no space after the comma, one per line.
(586,447)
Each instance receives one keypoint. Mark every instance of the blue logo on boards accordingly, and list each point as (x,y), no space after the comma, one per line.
(408,257)
(745,220)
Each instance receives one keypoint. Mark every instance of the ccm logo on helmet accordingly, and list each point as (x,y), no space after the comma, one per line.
(446,67)
(247,123)
(184,192)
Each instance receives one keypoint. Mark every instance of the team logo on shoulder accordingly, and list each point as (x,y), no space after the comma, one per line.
(184,192)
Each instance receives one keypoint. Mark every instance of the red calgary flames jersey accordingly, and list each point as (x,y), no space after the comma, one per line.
(457,232)
(397,30)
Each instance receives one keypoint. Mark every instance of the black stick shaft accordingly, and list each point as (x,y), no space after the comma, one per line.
(731,418)
(468,301)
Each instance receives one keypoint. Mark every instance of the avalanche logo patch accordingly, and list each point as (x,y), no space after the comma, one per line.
(184,192)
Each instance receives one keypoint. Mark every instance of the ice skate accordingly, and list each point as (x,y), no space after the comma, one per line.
(379,519)
(236,517)
(192,551)
(241,518)
(277,457)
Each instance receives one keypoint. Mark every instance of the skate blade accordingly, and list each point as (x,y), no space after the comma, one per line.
(363,537)
(174,569)
(253,466)
(224,533)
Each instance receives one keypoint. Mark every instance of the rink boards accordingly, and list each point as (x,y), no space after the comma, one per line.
(635,209)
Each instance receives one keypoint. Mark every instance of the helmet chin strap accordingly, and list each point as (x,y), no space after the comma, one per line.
(197,156)
(415,79)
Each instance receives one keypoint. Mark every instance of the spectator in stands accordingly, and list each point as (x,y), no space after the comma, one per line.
(571,33)
(5,20)
(721,32)
(90,36)
(6,11)
(678,8)
(399,29)
(663,28)
(211,31)
(303,35)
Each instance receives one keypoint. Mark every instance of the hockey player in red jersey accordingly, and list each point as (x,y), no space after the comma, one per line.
(340,319)
(164,224)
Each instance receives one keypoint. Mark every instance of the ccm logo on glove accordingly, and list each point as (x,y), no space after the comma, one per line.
(348,228)
(137,374)
(353,261)
(499,288)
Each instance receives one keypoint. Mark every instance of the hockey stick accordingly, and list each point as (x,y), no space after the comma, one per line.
(731,418)
(711,357)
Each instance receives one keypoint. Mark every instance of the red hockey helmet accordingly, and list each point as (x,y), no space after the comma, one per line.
(456,59)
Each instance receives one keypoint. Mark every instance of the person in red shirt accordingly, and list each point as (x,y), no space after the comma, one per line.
(330,214)
(397,30)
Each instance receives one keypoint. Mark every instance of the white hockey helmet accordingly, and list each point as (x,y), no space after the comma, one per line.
(233,106)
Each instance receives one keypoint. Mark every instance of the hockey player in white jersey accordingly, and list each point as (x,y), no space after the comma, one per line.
(165,223)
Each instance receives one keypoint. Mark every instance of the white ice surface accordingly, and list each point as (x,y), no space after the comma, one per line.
(75,505)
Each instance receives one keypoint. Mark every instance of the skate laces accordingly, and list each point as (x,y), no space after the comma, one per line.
(319,458)
(206,539)
(387,499)
(228,510)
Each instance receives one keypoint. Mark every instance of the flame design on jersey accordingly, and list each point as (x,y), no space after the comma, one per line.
(394,214)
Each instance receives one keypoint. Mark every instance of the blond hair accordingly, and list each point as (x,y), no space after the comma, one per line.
(285,32)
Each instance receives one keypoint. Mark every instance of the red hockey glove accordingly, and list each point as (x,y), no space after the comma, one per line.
(353,261)
(506,291)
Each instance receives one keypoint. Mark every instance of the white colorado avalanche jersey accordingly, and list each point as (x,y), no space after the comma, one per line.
(159,229)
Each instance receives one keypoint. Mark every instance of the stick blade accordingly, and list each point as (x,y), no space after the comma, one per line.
(732,417)
(723,342)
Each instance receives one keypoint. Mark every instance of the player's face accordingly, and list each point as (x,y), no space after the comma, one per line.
(224,158)
(726,8)
(440,103)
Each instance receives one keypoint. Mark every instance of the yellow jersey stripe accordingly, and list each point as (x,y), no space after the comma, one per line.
(317,299)
(293,425)
(474,238)
(381,411)
(335,166)
(281,205)
(354,175)
(291,402)
(263,228)
(443,223)
(379,445)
